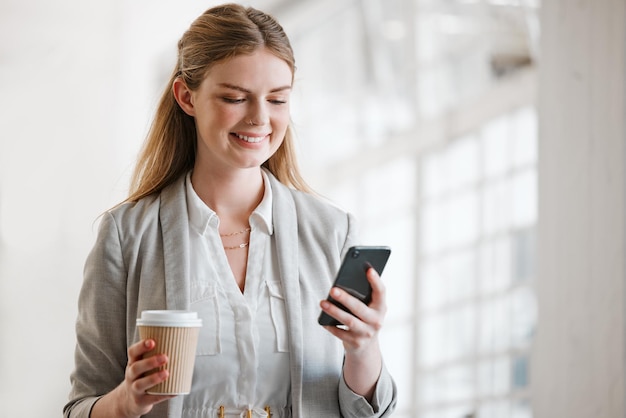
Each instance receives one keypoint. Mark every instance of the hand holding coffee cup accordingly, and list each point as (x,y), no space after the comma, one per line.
(175,334)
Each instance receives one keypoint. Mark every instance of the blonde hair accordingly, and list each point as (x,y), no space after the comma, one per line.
(220,33)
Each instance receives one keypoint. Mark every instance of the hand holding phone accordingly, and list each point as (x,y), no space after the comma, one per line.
(352,276)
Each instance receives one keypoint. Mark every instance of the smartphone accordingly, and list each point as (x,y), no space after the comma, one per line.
(352,276)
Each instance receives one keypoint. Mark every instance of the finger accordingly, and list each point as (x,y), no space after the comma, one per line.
(351,338)
(137,350)
(140,386)
(379,296)
(346,318)
(340,332)
(139,368)
(378,287)
(357,308)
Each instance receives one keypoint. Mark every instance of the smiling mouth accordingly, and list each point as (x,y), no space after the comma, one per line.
(250,139)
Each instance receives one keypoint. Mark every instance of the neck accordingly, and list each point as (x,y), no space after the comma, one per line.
(233,196)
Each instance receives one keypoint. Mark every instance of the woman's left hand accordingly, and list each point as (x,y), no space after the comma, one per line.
(363,360)
(364,322)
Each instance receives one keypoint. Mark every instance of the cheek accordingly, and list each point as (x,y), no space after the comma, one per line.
(219,116)
(227,115)
(282,118)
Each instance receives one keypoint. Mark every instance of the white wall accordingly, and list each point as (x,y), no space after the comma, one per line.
(578,359)
(58,170)
(78,88)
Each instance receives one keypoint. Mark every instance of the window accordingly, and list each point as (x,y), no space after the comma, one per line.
(401,117)
(477,311)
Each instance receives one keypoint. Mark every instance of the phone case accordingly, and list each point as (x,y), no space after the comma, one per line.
(352,276)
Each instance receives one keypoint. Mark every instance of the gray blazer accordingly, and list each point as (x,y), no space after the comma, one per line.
(140,261)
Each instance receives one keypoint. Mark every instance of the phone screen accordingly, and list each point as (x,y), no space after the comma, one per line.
(352,276)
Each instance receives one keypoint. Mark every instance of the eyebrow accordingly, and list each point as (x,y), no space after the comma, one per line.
(239,88)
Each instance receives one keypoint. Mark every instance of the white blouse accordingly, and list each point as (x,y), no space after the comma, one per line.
(242,361)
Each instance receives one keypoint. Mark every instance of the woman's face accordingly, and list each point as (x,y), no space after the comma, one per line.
(241,111)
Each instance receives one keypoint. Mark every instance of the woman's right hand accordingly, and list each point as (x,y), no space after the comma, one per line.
(129,399)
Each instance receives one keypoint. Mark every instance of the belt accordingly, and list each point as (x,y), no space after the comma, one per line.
(265,412)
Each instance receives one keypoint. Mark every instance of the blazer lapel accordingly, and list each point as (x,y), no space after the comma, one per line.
(286,236)
(175,226)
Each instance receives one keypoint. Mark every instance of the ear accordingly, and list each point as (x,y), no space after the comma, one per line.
(183,96)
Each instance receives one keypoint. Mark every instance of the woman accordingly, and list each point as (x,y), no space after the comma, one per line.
(219,221)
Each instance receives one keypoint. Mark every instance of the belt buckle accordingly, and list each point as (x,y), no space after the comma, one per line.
(267,410)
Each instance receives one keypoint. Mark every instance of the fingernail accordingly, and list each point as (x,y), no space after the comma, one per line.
(335,292)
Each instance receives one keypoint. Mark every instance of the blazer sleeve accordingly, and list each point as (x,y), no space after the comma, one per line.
(385,396)
(101,346)
(383,402)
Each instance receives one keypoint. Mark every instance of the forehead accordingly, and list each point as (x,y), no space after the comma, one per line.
(259,68)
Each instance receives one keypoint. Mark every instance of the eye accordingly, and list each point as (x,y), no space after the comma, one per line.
(277,101)
(233,100)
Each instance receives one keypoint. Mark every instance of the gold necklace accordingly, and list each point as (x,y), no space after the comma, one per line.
(236,233)
(232,234)
(234,247)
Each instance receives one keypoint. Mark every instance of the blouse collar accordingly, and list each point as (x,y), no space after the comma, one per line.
(201,216)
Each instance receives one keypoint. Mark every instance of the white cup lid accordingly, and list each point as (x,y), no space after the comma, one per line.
(169,319)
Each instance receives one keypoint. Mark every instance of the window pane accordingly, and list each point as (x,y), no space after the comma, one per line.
(393,183)
(460,270)
(459,383)
(523,317)
(494,378)
(520,372)
(399,272)
(524,137)
(430,388)
(452,385)
(496,205)
(434,90)
(432,175)
(460,218)
(396,342)
(524,255)
(460,332)
(521,409)
(495,409)
(524,186)
(495,142)
(495,326)
(432,340)
(462,162)
(433,285)
(432,229)
(477,264)
(495,265)
(346,194)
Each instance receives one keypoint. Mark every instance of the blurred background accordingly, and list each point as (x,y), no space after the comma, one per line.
(483,140)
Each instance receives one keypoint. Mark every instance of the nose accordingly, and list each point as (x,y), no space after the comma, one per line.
(259,113)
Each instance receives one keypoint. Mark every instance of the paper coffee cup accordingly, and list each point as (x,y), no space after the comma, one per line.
(176,335)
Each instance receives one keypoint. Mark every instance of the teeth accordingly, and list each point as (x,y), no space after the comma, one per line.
(252,139)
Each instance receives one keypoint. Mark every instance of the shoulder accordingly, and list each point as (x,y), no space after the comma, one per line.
(302,200)
(309,205)
(131,214)
(148,210)
(317,205)
(316,219)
